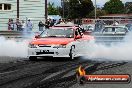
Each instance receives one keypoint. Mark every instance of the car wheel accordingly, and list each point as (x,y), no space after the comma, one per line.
(32,58)
(72,52)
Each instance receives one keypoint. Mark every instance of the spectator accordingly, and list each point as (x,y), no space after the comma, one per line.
(18,25)
(69,22)
(52,22)
(23,25)
(41,25)
(29,25)
(59,22)
(47,24)
(97,26)
(11,24)
(75,21)
(115,23)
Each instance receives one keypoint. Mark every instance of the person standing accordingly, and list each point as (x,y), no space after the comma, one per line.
(59,22)
(52,22)
(41,25)
(11,23)
(29,25)
(23,25)
(18,25)
(47,24)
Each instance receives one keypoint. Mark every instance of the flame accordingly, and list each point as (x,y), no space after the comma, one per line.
(81,71)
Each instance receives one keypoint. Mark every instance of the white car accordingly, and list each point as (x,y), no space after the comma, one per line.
(58,42)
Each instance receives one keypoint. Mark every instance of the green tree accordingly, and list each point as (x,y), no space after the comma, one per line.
(99,12)
(114,7)
(128,7)
(52,10)
(80,8)
(64,10)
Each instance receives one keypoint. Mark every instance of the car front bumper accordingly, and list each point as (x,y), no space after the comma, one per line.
(53,52)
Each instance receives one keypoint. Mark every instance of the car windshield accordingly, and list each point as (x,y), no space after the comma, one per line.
(61,33)
(114,29)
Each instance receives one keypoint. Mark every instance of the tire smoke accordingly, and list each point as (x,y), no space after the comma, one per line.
(92,50)
(13,48)
(116,52)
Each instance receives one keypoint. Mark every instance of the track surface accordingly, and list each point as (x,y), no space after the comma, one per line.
(56,73)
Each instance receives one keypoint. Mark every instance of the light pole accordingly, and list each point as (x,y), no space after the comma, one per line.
(95,10)
(62,3)
(46,10)
(18,9)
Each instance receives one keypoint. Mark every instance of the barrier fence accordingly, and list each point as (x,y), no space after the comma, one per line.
(99,37)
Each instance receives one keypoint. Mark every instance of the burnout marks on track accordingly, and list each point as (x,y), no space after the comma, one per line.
(69,81)
(33,71)
(31,74)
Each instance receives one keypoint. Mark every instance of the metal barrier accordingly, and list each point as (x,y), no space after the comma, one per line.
(99,37)
(17,34)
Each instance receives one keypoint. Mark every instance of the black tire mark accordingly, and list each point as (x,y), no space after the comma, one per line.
(72,78)
(50,70)
(54,79)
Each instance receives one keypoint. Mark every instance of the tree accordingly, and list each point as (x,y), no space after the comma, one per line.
(99,12)
(114,7)
(128,7)
(52,10)
(64,10)
(80,8)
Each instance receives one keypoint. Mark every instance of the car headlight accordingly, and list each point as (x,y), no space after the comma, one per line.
(32,46)
(59,46)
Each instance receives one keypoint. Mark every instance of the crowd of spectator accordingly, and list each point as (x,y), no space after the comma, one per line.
(52,22)
(28,26)
(20,26)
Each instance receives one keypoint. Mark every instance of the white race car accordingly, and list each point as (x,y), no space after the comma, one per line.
(58,42)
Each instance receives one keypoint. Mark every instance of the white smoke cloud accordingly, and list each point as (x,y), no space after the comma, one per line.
(120,51)
(13,48)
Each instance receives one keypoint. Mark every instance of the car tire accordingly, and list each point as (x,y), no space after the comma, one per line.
(32,58)
(72,52)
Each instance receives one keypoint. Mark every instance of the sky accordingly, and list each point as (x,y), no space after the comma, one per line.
(100,3)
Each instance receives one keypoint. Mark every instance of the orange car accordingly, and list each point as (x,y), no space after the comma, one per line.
(58,42)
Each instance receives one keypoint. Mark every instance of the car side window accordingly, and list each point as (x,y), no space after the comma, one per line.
(105,30)
(119,29)
(109,29)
